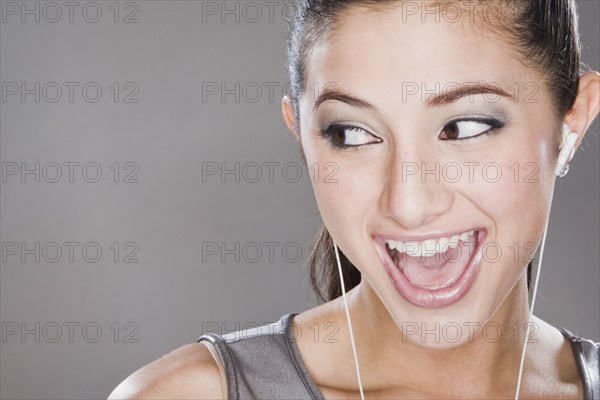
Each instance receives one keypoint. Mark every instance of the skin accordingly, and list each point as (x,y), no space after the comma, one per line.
(370,197)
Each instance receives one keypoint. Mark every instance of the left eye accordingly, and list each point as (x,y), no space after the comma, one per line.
(355,136)
(465,129)
(344,136)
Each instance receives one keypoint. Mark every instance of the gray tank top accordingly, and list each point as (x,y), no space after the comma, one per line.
(265,363)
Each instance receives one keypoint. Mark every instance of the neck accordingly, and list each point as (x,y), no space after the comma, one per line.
(491,364)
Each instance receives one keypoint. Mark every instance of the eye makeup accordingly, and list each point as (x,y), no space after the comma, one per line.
(336,133)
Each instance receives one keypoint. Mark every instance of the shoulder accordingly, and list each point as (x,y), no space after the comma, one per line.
(581,358)
(588,347)
(187,372)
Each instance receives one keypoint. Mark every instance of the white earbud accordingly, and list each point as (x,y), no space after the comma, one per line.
(567,150)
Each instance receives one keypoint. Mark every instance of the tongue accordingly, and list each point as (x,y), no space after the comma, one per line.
(439,270)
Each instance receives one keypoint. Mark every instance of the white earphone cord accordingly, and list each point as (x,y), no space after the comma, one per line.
(567,151)
(535,286)
(537,278)
(337,256)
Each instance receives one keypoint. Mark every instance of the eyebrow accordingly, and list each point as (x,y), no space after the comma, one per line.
(446,97)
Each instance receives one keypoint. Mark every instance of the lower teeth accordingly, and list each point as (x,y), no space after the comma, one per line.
(395,255)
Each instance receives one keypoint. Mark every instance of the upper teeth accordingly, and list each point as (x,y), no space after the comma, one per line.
(428,247)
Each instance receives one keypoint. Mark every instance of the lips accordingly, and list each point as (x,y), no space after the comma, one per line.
(438,280)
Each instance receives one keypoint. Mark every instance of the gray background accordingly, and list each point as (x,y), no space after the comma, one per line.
(170,296)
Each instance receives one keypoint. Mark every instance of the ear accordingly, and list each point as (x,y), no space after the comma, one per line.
(287,110)
(587,105)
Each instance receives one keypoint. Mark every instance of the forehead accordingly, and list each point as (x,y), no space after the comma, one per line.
(378,53)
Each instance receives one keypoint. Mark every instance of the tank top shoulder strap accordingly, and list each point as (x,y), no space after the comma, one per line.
(227,360)
(264,362)
(587,357)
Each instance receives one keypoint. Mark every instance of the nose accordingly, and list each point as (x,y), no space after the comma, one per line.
(415,193)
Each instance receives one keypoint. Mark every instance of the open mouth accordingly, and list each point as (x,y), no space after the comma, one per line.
(435,272)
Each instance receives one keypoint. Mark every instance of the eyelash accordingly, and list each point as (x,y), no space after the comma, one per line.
(330,131)
(496,126)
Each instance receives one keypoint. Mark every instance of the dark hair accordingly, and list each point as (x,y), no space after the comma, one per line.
(544,32)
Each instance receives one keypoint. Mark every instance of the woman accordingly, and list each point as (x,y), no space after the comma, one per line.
(444,124)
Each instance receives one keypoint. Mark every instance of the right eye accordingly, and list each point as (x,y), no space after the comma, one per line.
(345,136)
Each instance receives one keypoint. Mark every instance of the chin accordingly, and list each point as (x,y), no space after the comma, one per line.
(446,330)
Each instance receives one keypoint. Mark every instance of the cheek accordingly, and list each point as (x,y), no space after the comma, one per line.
(345,193)
(523,194)
(343,184)
(517,205)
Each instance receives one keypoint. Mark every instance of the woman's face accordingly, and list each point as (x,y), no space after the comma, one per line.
(416,173)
